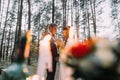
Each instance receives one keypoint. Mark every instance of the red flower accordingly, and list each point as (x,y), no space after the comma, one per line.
(81,49)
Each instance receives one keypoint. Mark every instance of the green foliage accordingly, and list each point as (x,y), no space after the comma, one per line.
(36,1)
(42,16)
(76,3)
(115,1)
(34,47)
(82,4)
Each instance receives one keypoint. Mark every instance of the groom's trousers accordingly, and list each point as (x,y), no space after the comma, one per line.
(51,75)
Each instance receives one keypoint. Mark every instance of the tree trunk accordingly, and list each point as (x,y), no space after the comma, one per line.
(29,26)
(7,51)
(1,13)
(39,30)
(11,46)
(0,6)
(88,23)
(53,10)
(67,12)
(77,19)
(3,56)
(5,23)
(85,20)
(64,13)
(95,27)
(88,19)
(92,5)
(16,34)
(20,19)
(18,30)
(71,12)
(29,15)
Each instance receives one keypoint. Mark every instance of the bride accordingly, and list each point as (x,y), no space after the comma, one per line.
(65,71)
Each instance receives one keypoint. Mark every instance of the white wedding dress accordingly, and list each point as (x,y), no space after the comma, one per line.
(65,71)
(45,57)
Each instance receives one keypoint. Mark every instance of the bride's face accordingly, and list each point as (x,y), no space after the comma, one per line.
(66,33)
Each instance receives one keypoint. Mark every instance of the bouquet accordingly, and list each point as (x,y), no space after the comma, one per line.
(94,59)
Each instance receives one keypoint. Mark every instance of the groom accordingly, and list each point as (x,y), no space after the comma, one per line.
(53,45)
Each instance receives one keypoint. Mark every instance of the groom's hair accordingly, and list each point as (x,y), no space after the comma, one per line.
(52,25)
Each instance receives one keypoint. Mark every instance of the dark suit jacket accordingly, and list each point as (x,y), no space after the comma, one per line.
(54,51)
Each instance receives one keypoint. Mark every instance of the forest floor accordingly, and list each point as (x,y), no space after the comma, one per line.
(32,67)
(6,63)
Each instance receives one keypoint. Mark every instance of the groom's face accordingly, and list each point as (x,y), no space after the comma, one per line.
(53,30)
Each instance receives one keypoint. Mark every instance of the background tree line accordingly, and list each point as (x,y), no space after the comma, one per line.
(89,17)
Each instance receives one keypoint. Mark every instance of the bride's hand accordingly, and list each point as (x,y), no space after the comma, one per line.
(59,43)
